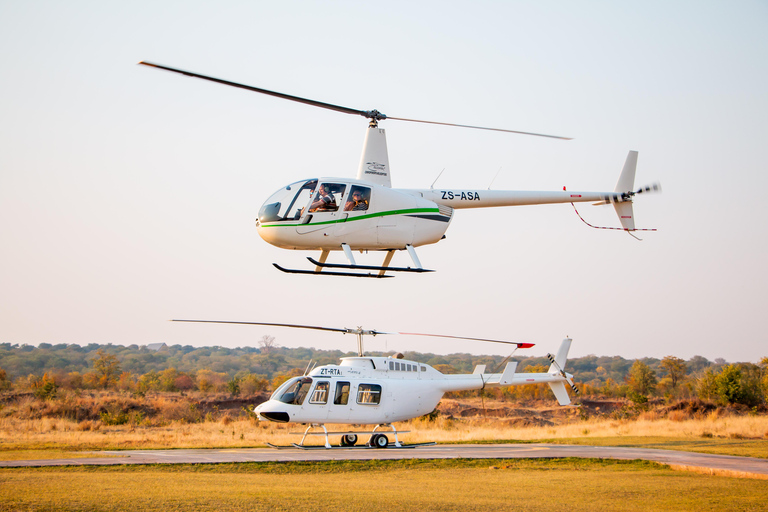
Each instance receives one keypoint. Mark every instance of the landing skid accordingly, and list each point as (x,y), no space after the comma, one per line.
(356,447)
(378,439)
(352,265)
(367,267)
(319,273)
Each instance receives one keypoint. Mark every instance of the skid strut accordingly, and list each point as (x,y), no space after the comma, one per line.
(374,271)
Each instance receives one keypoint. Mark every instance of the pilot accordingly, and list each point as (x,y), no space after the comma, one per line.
(356,202)
(324,201)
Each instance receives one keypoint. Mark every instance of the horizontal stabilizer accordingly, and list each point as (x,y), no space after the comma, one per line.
(509,373)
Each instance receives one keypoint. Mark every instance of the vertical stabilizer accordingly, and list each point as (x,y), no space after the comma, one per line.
(625,184)
(558,366)
(374,162)
(561,357)
(627,179)
(626,215)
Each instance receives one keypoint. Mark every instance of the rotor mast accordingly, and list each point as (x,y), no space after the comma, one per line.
(359,333)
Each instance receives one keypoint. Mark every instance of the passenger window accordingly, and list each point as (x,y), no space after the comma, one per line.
(358,200)
(320,394)
(327,197)
(369,394)
(342,393)
(391,365)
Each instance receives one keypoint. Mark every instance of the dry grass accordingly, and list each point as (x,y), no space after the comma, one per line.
(228,432)
(85,422)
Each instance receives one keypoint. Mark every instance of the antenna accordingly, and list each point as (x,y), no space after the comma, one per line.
(438,177)
(494,178)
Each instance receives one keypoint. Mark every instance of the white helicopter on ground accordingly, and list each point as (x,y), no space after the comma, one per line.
(376,390)
(366,214)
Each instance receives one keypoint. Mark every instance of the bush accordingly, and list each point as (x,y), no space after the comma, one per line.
(734,384)
(234,386)
(45,388)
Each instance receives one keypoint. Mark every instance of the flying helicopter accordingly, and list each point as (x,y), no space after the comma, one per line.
(363,214)
(378,390)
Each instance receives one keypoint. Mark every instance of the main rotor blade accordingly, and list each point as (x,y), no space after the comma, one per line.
(263,91)
(296,326)
(317,328)
(519,344)
(482,128)
(369,114)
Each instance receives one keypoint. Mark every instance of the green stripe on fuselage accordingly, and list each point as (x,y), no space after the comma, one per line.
(359,217)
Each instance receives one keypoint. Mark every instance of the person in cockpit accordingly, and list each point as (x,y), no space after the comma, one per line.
(356,202)
(324,201)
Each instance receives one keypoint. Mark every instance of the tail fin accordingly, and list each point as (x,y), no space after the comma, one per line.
(625,184)
(558,366)
(627,179)
(562,356)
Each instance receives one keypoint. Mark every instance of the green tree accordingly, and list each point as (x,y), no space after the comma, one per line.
(675,368)
(764,380)
(150,381)
(107,367)
(728,385)
(641,379)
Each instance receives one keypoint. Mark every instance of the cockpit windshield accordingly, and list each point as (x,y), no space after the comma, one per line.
(294,391)
(288,203)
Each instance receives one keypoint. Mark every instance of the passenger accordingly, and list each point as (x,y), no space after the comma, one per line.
(324,202)
(356,202)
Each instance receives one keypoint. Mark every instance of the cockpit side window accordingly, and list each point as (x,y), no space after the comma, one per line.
(328,197)
(297,208)
(358,200)
(296,391)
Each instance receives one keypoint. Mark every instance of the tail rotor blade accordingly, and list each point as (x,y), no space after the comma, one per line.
(653,187)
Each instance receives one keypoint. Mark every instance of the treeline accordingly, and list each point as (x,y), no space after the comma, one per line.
(47,368)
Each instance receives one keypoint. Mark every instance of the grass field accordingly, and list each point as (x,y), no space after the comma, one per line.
(523,485)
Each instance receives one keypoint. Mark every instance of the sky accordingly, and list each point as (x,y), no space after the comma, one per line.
(128,195)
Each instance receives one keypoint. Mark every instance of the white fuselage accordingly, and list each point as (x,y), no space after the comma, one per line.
(387,218)
(376,390)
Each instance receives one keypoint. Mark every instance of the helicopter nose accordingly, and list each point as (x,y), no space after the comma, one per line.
(271,234)
(277,416)
(271,415)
